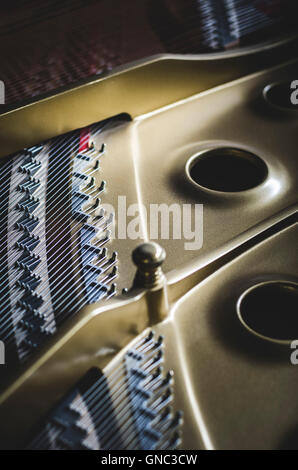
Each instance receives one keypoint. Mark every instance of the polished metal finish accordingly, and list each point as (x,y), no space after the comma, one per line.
(148,258)
(141,88)
(226,170)
(269,310)
(279,96)
(222,370)
(237,390)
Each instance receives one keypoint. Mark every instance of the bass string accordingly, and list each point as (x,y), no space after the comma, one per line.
(122,411)
(142,346)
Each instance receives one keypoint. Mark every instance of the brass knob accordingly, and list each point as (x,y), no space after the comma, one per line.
(148,257)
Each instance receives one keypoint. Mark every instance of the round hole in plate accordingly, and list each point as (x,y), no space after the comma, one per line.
(227,169)
(280,95)
(270,310)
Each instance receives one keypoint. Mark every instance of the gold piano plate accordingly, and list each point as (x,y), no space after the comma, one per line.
(247,231)
(234,386)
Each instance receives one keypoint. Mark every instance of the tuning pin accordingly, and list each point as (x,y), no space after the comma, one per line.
(169,378)
(174,441)
(166,413)
(33,151)
(102,186)
(102,149)
(111,276)
(104,240)
(114,272)
(157,372)
(105,223)
(178,418)
(100,215)
(91,183)
(94,206)
(158,356)
(103,253)
(112,291)
(150,336)
(96,166)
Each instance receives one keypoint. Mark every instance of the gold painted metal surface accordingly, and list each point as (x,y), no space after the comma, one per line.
(237,391)
(145,162)
(233,115)
(232,387)
(93,338)
(146,86)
